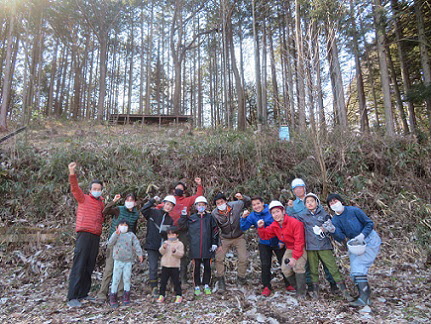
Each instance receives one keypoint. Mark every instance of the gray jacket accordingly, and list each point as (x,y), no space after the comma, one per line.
(229,224)
(315,242)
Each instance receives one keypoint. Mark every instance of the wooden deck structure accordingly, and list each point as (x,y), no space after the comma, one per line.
(148,119)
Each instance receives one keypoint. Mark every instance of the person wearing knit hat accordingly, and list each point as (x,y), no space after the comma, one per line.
(318,245)
(353,224)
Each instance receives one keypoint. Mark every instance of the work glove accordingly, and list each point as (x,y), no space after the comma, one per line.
(329,226)
(157,198)
(213,248)
(360,238)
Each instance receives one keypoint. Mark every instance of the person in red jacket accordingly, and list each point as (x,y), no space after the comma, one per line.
(290,231)
(89,220)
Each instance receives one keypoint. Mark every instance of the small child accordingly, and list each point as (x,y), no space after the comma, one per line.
(125,245)
(318,245)
(172,251)
(204,239)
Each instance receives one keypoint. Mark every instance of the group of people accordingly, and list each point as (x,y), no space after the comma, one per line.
(180,229)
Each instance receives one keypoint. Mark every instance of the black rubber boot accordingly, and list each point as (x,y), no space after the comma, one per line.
(300,285)
(364,292)
(334,288)
(221,284)
(315,292)
(344,291)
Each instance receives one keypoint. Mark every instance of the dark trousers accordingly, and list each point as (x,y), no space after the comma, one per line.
(265,252)
(84,260)
(328,275)
(184,238)
(174,274)
(153,266)
(197,272)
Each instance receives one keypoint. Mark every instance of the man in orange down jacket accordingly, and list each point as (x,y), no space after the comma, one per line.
(89,220)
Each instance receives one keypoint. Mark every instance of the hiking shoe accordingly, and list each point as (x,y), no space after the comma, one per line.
(113,300)
(74,303)
(155,292)
(197,291)
(161,299)
(207,291)
(290,288)
(178,299)
(126,298)
(266,292)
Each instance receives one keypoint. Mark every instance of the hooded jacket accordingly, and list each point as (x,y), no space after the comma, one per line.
(253,218)
(312,241)
(291,233)
(172,254)
(229,221)
(157,222)
(203,232)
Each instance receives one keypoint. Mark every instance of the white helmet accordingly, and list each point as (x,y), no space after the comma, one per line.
(201,199)
(355,247)
(275,203)
(310,194)
(171,199)
(297,183)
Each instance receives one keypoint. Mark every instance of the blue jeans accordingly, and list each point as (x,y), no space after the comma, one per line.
(121,269)
(359,264)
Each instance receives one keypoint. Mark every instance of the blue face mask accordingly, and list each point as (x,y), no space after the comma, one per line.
(96,194)
(201,209)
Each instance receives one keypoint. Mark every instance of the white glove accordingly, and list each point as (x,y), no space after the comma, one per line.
(156,198)
(360,238)
(213,248)
(329,226)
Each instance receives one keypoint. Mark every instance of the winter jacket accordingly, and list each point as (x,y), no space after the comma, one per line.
(350,223)
(119,213)
(172,254)
(183,202)
(157,223)
(203,233)
(291,233)
(252,219)
(89,217)
(297,209)
(126,246)
(229,221)
(312,241)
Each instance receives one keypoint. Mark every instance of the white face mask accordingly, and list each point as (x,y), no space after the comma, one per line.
(337,207)
(129,204)
(222,207)
(123,228)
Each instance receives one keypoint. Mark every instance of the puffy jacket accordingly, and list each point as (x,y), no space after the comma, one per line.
(203,232)
(172,254)
(312,241)
(253,218)
(291,233)
(89,217)
(229,222)
(157,223)
(350,223)
(119,213)
(183,202)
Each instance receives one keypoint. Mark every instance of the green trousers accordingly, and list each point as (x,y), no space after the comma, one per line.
(328,259)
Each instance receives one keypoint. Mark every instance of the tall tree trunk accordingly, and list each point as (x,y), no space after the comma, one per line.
(425,59)
(264,74)
(7,85)
(403,63)
(363,113)
(384,75)
(103,41)
(149,60)
(300,69)
(132,51)
(49,105)
(260,116)
(275,95)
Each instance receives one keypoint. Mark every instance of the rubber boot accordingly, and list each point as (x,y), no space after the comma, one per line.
(364,292)
(334,288)
(126,298)
(113,301)
(300,285)
(344,291)
(221,284)
(315,292)
(291,282)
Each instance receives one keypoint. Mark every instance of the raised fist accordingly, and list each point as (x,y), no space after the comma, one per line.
(290,203)
(117,198)
(157,198)
(245,214)
(239,196)
(260,223)
(198,181)
(72,166)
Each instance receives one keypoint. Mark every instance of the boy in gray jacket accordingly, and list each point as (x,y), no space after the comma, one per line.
(318,245)
(125,246)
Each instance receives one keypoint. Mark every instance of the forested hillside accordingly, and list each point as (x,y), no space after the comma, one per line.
(389,179)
